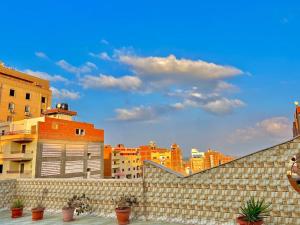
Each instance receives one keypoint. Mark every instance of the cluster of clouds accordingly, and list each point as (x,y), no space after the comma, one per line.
(203,83)
(184,83)
(276,128)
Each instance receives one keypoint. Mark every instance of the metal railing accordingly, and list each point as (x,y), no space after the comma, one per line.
(15,132)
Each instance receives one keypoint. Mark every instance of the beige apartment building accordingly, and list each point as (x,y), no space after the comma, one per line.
(125,162)
(22,96)
(50,147)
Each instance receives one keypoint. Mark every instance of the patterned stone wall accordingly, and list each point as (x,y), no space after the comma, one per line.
(99,191)
(7,193)
(211,197)
(214,196)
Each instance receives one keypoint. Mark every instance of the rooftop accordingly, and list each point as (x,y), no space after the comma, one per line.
(55,218)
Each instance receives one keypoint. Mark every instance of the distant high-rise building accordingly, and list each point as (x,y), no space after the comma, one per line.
(197,160)
(22,96)
(296,123)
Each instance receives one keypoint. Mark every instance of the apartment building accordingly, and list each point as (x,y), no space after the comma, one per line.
(171,158)
(22,96)
(125,162)
(51,147)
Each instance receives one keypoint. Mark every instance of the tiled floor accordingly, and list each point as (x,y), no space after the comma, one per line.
(53,219)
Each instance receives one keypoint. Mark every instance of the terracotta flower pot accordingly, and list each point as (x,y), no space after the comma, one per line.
(68,214)
(37,213)
(16,212)
(123,215)
(240,220)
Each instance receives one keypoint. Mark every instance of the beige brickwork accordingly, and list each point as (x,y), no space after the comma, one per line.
(210,197)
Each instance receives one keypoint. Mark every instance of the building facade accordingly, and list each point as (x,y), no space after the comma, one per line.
(296,123)
(22,96)
(125,162)
(171,158)
(49,147)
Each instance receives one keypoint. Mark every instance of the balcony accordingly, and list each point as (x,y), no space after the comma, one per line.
(17,174)
(17,156)
(19,136)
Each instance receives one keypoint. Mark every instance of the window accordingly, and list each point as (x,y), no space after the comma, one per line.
(2,132)
(43,100)
(12,92)
(23,148)
(27,109)
(1,168)
(122,170)
(128,169)
(11,106)
(27,96)
(80,132)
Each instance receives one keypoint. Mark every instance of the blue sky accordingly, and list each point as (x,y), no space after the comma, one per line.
(204,74)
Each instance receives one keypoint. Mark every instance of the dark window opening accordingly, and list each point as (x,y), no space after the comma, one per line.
(43,100)
(12,92)
(27,96)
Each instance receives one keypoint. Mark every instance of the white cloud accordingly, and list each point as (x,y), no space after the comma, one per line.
(41,55)
(225,86)
(107,81)
(210,102)
(172,68)
(46,76)
(101,55)
(64,94)
(223,105)
(274,127)
(140,113)
(105,42)
(86,68)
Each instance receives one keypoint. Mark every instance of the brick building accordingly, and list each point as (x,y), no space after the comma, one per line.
(50,146)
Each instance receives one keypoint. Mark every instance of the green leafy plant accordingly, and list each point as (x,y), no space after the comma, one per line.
(255,210)
(81,204)
(18,203)
(125,201)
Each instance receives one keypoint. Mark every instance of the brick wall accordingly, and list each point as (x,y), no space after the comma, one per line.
(211,197)
(7,192)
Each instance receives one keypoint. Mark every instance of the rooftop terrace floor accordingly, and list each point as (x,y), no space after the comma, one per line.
(56,218)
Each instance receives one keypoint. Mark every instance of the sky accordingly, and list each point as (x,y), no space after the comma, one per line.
(204,74)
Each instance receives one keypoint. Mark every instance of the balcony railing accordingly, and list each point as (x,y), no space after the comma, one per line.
(15,132)
(18,174)
(17,155)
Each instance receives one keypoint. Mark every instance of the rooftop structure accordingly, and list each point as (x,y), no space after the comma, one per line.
(51,146)
(212,196)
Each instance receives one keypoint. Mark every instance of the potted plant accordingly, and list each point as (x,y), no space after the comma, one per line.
(38,211)
(253,212)
(17,208)
(77,204)
(123,208)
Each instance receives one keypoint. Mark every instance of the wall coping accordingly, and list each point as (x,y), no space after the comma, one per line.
(215,167)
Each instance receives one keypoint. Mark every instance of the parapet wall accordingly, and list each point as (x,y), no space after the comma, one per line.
(7,192)
(211,197)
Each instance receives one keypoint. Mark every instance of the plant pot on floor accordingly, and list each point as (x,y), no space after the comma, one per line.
(68,214)
(241,221)
(37,213)
(123,215)
(16,212)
